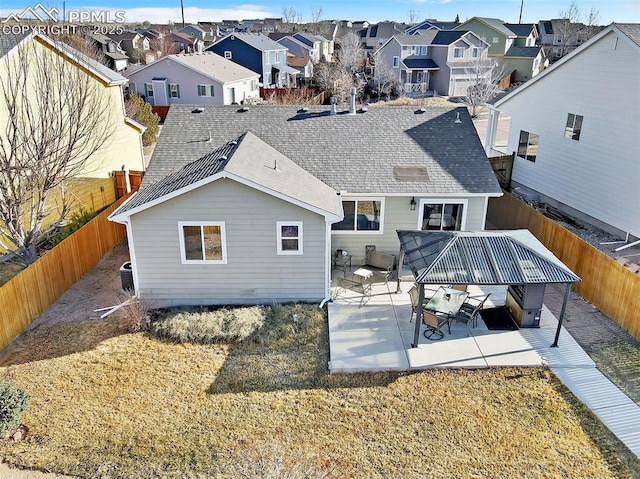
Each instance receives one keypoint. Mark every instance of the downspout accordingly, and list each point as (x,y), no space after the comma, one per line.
(327,264)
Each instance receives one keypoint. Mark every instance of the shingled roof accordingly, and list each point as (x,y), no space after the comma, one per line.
(269,171)
(354,153)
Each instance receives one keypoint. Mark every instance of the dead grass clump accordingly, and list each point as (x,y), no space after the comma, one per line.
(408,101)
(135,316)
(203,326)
(288,323)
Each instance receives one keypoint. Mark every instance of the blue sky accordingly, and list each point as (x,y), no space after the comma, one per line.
(160,11)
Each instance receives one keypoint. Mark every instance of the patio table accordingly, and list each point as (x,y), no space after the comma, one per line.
(445,302)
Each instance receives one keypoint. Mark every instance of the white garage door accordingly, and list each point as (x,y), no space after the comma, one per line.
(460,86)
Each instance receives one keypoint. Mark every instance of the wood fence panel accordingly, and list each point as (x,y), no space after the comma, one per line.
(606,284)
(32,291)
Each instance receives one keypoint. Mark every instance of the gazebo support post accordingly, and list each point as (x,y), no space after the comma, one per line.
(399,269)
(416,334)
(562,311)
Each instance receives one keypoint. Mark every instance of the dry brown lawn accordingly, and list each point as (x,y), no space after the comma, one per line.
(106,403)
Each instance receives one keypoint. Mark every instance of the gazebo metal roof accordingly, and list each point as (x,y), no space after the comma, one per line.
(484,257)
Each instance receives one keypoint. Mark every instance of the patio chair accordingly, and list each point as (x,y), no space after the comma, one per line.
(413,295)
(432,321)
(468,313)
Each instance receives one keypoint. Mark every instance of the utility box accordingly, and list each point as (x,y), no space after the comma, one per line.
(524,302)
(126,276)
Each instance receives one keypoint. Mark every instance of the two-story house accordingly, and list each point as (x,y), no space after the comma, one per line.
(430,24)
(259,54)
(574,147)
(295,47)
(116,58)
(440,61)
(514,44)
(559,36)
(204,78)
(135,45)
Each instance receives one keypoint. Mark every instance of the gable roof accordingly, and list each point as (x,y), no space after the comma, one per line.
(270,171)
(520,29)
(483,257)
(354,153)
(412,40)
(209,64)
(627,27)
(523,52)
(447,37)
(256,40)
(102,72)
(494,23)
(431,24)
(631,30)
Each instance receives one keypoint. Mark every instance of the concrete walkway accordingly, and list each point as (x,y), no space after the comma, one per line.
(378,337)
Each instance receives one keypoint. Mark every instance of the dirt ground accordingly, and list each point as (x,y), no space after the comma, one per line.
(102,284)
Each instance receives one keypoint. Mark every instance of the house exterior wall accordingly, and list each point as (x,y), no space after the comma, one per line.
(189,79)
(385,55)
(440,79)
(241,53)
(124,144)
(296,48)
(254,272)
(398,216)
(599,174)
(487,34)
(523,67)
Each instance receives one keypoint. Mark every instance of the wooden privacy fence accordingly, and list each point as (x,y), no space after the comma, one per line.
(606,284)
(33,290)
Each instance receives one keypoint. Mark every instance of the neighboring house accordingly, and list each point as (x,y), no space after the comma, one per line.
(320,44)
(194,31)
(374,36)
(304,65)
(513,44)
(249,205)
(430,24)
(573,146)
(123,150)
(178,42)
(440,61)
(203,78)
(559,36)
(297,48)
(260,54)
(115,56)
(135,45)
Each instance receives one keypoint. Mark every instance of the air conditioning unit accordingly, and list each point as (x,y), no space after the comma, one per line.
(126,276)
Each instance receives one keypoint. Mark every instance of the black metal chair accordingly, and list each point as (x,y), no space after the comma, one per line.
(469,311)
(432,321)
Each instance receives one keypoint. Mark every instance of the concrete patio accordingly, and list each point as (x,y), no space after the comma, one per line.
(378,336)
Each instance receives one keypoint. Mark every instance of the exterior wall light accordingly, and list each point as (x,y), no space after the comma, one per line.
(412,204)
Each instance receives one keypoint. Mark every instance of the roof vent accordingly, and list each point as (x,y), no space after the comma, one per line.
(420,110)
(333,110)
(243,109)
(304,109)
(197,110)
(458,120)
(364,108)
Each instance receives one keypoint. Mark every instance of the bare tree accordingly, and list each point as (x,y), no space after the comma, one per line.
(485,74)
(351,54)
(383,78)
(58,119)
(290,18)
(591,22)
(317,25)
(567,26)
(414,15)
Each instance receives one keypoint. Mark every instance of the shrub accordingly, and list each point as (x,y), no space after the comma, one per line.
(209,326)
(77,221)
(13,402)
(142,112)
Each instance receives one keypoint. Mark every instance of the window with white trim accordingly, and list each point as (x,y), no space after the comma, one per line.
(475,52)
(289,237)
(458,52)
(574,126)
(361,215)
(423,50)
(148,90)
(528,145)
(174,90)
(437,215)
(396,62)
(202,242)
(228,55)
(495,39)
(205,90)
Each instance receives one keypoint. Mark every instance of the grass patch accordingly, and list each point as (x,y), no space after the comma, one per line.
(130,406)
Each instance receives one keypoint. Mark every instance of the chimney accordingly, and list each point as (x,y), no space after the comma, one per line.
(352,102)
(333,110)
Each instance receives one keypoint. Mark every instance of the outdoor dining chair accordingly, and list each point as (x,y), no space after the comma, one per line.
(469,311)
(432,321)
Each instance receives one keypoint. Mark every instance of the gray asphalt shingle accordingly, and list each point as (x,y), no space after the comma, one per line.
(352,153)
